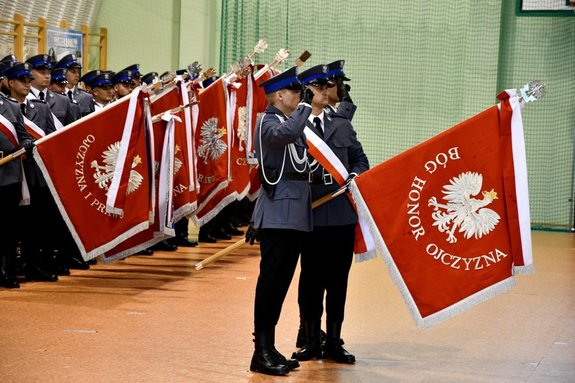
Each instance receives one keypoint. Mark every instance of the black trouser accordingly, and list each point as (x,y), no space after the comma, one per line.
(325,264)
(181,228)
(280,249)
(9,229)
(43,213)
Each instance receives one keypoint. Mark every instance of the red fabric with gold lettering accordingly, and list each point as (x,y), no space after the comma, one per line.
(434,274)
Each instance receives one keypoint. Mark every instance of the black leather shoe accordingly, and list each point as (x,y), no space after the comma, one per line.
(165,246)
(206,238)
(59,269)
(337,353)
(184,242)
(77,263)
(145,252)
(55,265)
(231,229)
(267,363)
(9,281)
(221,233)
(291,363)
(38,274)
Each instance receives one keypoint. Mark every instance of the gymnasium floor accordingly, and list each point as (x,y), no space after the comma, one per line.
(158,319)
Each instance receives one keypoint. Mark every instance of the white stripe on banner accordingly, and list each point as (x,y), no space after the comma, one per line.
(122,154)
(521,186)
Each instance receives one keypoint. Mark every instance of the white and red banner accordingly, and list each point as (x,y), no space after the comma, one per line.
(451,219)
(78,163)
(174,191)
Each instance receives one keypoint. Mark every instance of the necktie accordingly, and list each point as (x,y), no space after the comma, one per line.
(41,96)
(317,124)
(70,95)
(23,109)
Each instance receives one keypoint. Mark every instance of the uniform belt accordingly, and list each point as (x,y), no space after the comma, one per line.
(322,179)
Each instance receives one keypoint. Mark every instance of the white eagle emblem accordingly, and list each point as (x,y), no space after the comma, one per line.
(242,124)
(103,174)
(469,214)
(177,162)
(211,147)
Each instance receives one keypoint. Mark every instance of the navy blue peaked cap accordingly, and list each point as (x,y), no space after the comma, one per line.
(335,70)
(18,71)
(40,61)
(124,76)
(149,78)
(58,75)
(68,61)
(314,75)
(101,80)
(288,79)
(134,70)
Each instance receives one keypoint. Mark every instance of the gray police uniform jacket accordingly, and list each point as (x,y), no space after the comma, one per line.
(290,205)
(85,101)
(11,172)
(340,136)
(39,113)
(62,107)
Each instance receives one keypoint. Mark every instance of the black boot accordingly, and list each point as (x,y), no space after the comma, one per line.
(36,267)
(334,345)
(312,349)
(301,337)
(291,363)
(56,264)
(264,359)
(6,278)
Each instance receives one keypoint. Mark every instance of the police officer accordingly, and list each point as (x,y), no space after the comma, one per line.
(102,89)
(135,73)
(60,106)
(56,96)
(58,81)
(339,91)
(83,98)
(38,243)
(326,259)
(5,63)
(123,83)
(13,136)
(282,215)
(150,78)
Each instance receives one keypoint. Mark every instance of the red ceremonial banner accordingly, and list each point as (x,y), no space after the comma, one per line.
(211,139)
(443,218)
(170,173)
(78,163)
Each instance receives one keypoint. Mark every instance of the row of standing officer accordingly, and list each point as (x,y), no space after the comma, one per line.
(47,95)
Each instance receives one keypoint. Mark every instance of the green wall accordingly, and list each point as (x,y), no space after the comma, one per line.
(160,35)
(418,68)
